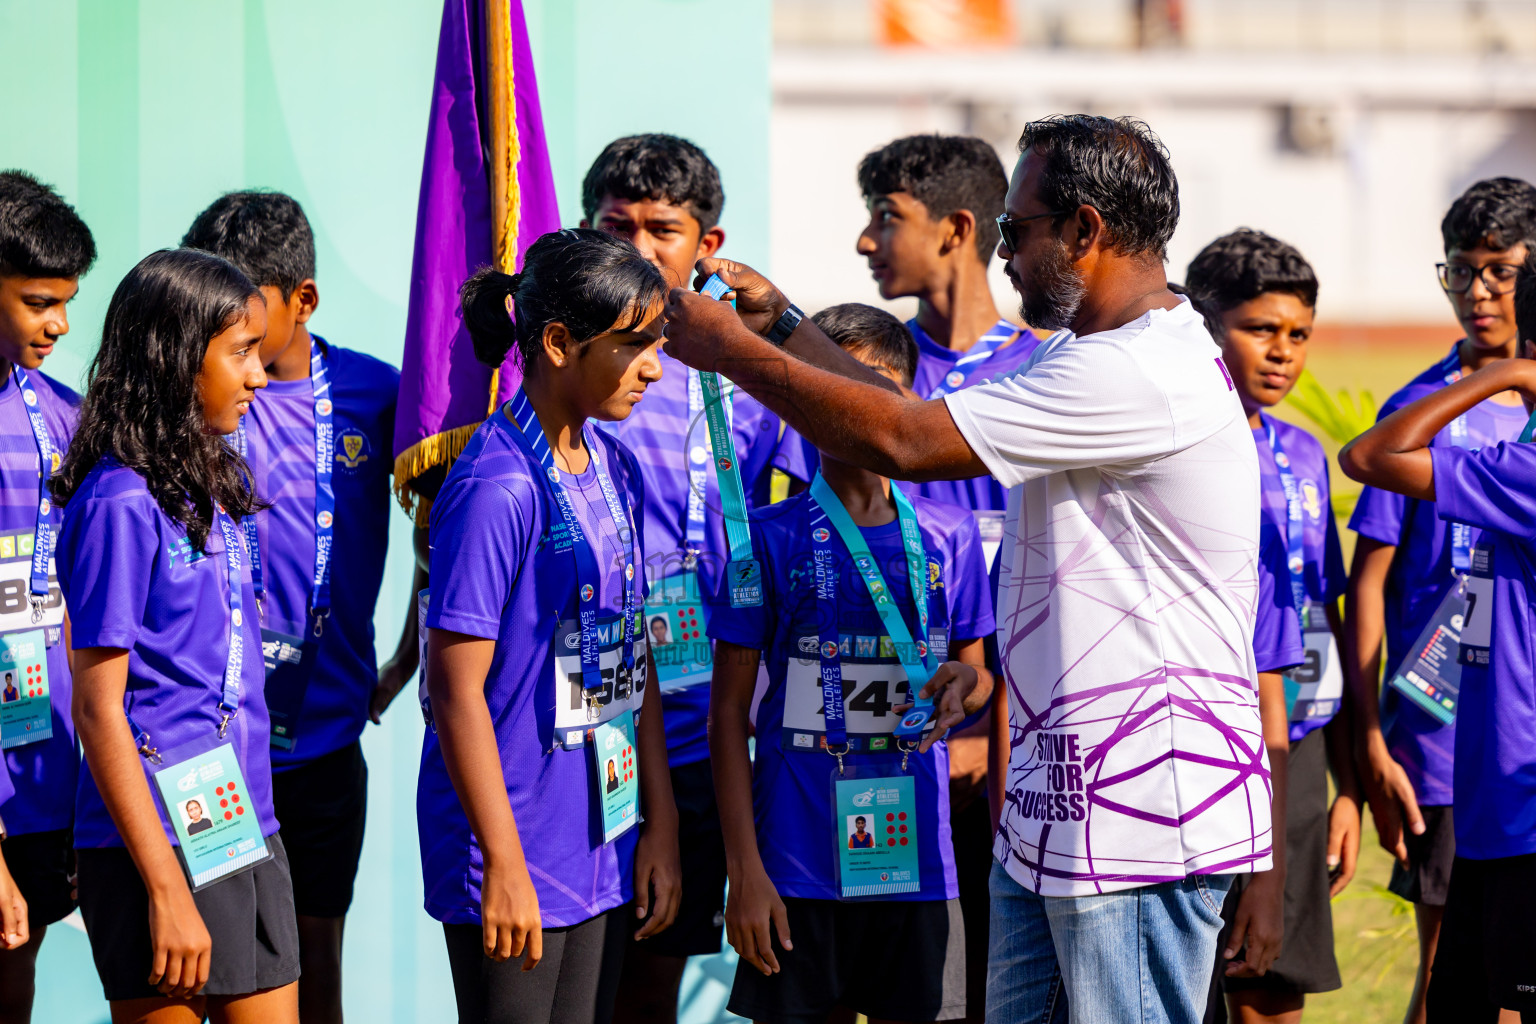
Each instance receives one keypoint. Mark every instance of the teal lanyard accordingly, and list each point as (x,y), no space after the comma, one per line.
(1530,428)
(733,496)
(913,656)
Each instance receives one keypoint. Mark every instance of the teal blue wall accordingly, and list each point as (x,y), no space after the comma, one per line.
(142,111)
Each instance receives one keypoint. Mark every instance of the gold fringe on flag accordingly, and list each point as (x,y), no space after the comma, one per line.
(506,208)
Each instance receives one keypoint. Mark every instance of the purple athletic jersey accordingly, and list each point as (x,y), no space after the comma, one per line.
(936,370)
(280,438)
(44,775)
(1420,577)
(1494,489)
(495,576)
(133,581)
(1277,643)
(661,436)
(1324,569)
(791,787)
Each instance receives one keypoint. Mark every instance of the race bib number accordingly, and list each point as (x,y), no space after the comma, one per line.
(575,711)
(874,824)
(874,685)
(1315,689)
(15,588)
(676,624)
(26,709)
(209,807)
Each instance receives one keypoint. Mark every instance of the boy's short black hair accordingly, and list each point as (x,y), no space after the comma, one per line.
(860,328)
(1499,213)
(265,234)
(1243,265)
(1118,166)
(655,167)
(40,234)
(1525,303)
(945,173)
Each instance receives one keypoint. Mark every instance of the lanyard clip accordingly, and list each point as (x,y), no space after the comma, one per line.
(320,618)
(37,608)
(224,723)
(152,753)
(839,754)
(691,559)
(594,709)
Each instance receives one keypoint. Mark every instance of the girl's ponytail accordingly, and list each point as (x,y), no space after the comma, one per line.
(483,299)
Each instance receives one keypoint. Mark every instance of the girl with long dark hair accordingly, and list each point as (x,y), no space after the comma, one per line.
(536,669)
(168,697)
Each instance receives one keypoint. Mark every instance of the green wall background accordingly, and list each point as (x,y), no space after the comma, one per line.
(142,111)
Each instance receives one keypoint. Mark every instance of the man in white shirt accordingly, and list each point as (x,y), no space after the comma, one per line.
(1137,783)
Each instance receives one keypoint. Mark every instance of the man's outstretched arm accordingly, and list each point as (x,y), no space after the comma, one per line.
(834,401)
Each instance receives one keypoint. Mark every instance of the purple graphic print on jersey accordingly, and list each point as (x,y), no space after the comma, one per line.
(280,438)
(494,576)
(133,581)
(661,436)
(1494,489)
(791,791)
(935,363)
(1420,577)
(44,774)
(1324,570)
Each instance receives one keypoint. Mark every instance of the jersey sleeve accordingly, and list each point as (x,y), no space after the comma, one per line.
(1335,578)
(789,455)
(751,628)
(969,586)
(1490,488)
(479,542)
(1277,642)
(105,559)
(1379,515)
(1087,404)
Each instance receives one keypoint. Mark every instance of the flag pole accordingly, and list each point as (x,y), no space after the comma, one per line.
(504,148)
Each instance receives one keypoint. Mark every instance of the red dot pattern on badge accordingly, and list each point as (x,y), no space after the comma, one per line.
(890,842)
(890,830)
(688,624)
(629,763)
(890,817)
(902,816)
(34,683)
(903,840)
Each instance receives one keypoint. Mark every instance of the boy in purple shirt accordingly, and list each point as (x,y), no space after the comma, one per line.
(537,668)
(44,248)
(1484,961)
(795,847)
(1407,563)
(169,692)
(663,194)
(317,556)
(1259,295)
(933,204)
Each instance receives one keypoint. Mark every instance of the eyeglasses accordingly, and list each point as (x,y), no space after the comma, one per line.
(1008,226)
(1498,278)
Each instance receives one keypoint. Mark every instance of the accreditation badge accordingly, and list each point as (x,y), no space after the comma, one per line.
(26,709)
(676,630)
(874,827)
(618,775)
(209,807)
(1430,675)
(289,661)
(1315,689)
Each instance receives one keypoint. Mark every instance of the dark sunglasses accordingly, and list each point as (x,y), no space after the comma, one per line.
(1008,226)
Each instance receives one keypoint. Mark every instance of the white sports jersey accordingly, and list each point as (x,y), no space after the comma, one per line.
(1126,609)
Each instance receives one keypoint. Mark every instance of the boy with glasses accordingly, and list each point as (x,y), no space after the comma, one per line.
(1409,565)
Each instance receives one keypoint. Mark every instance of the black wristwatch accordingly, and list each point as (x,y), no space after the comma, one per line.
(785,325)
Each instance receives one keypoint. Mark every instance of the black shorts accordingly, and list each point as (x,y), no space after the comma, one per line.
(1306,962)
(249,917)
(700,918)
(1427,878)
(893,959)
(971,826)
(1486,958)
(575,982)
(322,806)
(41,863)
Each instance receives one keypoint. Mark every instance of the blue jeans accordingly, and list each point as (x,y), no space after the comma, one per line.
(1135,956)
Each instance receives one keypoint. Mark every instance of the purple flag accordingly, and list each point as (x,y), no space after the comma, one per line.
(444,392)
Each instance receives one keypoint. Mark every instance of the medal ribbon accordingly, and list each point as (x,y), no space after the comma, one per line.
(568,535)
(913,657)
